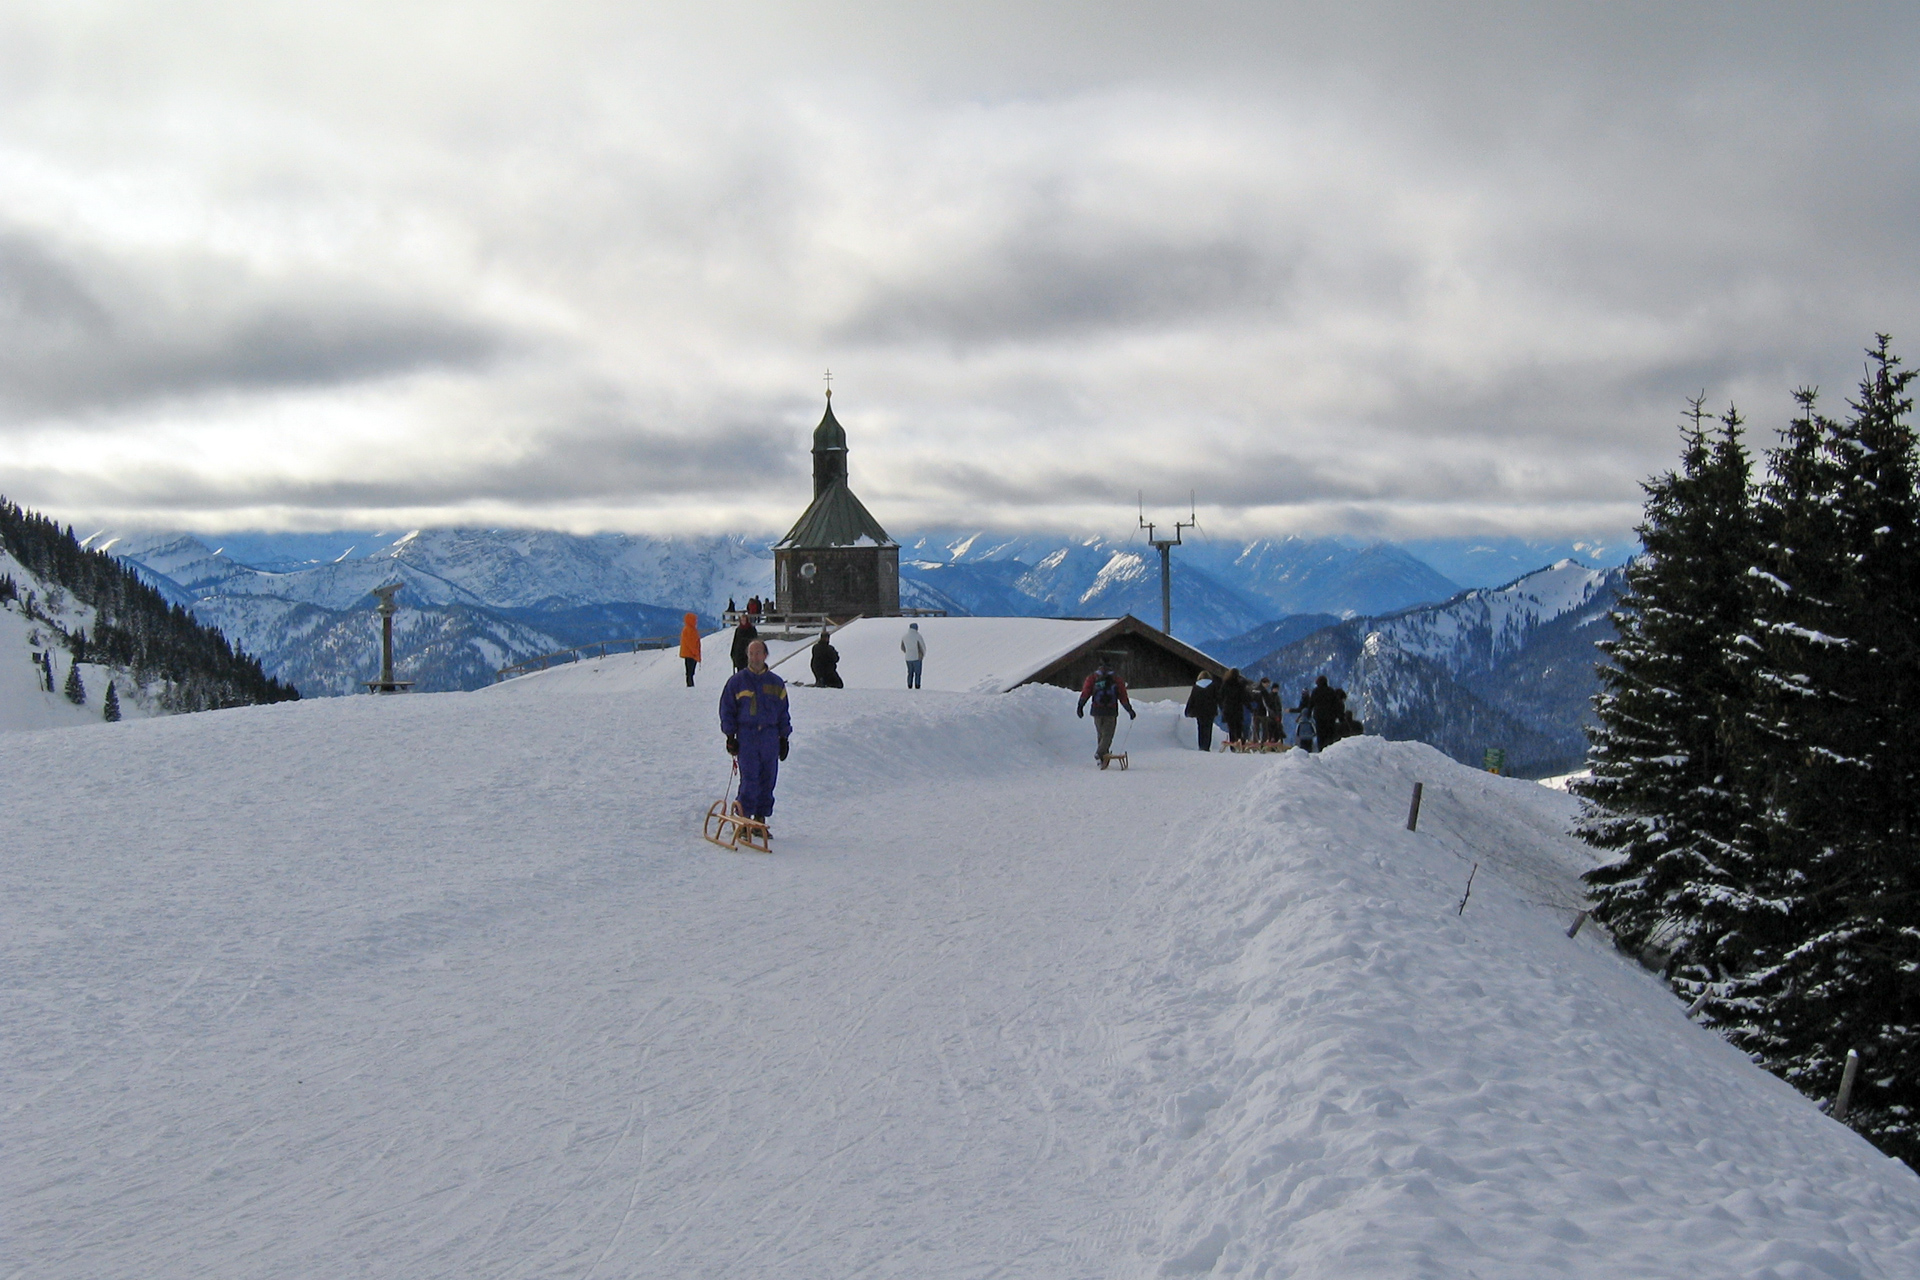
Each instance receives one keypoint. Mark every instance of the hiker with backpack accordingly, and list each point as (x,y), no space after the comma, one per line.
(1106,693)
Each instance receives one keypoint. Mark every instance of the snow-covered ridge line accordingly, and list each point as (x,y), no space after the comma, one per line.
(1367,1075)
(1493,622)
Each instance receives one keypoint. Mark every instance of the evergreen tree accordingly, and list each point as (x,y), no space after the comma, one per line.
(76,691)
(110,711)
(1824,930)
(1662,795)
(46,670)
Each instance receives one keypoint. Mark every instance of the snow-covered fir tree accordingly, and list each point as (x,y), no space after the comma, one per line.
(76,691)
(110,709)
(1661,797)
(1825,922)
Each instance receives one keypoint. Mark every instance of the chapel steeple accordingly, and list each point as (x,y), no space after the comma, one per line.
(829,451)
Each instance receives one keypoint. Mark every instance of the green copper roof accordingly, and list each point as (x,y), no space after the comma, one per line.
(829,434)
(836,519)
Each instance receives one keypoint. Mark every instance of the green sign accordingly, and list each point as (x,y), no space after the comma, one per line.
(1496,760)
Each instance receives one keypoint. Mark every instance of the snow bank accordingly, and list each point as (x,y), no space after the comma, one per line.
(1359,1079)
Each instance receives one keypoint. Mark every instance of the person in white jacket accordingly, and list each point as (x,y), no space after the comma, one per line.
(914,645)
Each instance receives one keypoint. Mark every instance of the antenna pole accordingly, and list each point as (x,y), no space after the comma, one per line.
(1165,547)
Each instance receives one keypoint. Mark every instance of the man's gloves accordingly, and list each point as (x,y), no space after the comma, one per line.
(1081,712)
(783,748)
(1132,714)
(733,745)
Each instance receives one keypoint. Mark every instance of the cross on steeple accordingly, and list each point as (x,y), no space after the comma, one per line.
(829,384)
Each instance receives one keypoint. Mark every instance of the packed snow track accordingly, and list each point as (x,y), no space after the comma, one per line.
(450,986)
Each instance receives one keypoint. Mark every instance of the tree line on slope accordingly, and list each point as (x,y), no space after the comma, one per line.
(1756,765)
(135,627)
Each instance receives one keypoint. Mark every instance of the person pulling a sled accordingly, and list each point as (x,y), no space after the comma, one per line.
(1106,693)
(690,644)
(825,661)
(753,715)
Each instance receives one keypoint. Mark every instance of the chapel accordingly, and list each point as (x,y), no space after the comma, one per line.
(836,560)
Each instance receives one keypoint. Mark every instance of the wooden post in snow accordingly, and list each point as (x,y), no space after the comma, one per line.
(1577,922)
(1413,810)
(1846,1085)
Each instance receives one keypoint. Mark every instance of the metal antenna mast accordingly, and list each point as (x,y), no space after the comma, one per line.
(1165,547)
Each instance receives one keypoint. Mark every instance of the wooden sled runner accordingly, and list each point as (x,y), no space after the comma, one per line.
(1114,757)
(733,830)
(729,828)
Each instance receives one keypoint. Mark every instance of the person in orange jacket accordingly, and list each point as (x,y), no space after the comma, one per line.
(690,645)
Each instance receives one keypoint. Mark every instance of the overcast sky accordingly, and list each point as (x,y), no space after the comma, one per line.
(1387,270)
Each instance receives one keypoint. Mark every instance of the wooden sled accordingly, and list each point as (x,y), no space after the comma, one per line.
(1246,748)
(1114,757)
(730,829)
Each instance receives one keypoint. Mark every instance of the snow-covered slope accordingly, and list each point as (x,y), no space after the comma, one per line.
(448,986)
(25,700)
(973,655)
(1479,629)
(1509,667)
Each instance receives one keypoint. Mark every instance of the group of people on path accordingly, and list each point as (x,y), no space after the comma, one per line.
(755,719)
(1255,712)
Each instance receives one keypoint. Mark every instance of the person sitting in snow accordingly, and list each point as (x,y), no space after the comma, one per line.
(1107,693)
(690,644)
(754,716)
(825,661)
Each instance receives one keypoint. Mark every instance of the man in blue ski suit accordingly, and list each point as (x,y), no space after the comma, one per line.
(753,715)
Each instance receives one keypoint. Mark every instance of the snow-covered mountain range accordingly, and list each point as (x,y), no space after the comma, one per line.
(1509,667)
(477,599)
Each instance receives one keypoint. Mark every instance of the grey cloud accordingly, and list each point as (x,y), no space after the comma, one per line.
(78,333)
(1055,284)
(1454,253)
(590,463)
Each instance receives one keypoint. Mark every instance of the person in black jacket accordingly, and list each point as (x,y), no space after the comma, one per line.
(743,635)
(1203,704)
(1326,705)
(825,661)
(1233,706)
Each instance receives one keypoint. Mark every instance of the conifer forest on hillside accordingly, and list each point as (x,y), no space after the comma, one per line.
(134,627)
(1756,765)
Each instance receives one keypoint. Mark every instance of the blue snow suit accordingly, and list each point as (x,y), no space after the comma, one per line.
(753,708)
